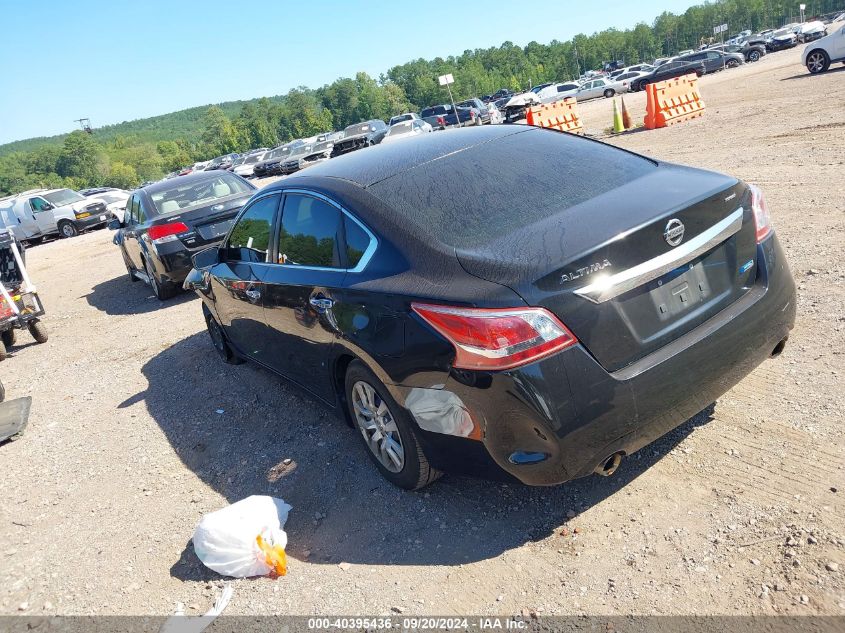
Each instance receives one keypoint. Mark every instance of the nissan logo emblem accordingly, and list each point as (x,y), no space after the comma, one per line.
(674,233)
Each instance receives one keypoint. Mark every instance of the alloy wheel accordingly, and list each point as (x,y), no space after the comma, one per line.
(378,426)
(816,62)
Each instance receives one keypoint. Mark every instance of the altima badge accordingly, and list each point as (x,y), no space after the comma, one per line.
(587,270)
(674,233)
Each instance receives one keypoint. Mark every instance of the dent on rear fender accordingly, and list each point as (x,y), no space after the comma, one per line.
(439,411)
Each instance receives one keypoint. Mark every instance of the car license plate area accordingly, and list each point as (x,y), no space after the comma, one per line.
(681,298)
(215,230)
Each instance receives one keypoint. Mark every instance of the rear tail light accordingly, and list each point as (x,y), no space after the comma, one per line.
(162,233)
(493,339)
(762,219)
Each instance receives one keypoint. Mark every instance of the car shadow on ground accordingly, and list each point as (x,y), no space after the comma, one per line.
(119,296)
(807,75)
(244,431)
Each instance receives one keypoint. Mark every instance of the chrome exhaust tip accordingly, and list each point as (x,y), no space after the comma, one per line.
(609,465)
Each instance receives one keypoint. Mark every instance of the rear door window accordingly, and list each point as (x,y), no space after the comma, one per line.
(133,210)
(250,237)
(141,214)
(357,241)
(308,235)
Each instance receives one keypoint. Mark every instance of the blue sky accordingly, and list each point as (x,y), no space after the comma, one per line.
(116,61)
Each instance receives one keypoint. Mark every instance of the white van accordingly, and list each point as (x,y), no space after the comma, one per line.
(33,215)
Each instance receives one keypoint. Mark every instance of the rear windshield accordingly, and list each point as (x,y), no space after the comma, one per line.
(473,197)
(358,128)
(198,193)
(400,128)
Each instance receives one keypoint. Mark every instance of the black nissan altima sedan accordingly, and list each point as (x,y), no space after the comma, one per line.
(504,301)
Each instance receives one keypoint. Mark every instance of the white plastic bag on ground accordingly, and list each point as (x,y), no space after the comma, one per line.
(244,539)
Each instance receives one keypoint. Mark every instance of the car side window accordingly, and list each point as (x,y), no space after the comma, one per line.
(141,215)
(133,210)
(249,240)
(38,204)
(308,235)
(357,241)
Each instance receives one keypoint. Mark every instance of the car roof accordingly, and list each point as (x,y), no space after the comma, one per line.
(196,176)
(374,164)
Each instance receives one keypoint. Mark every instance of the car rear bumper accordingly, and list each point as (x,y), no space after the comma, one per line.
(558,418)
(172,262)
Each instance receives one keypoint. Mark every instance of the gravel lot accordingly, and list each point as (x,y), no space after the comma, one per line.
(740,510)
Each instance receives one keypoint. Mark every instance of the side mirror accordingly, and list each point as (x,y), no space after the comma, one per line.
(206,258)
(114,224)
(197,280)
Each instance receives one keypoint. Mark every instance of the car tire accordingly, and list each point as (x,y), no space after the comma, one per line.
(4,354)
(818,61)
(2,392)
(609,93)
(365,392)
(68,229)
(9,337)
(162,291)
(38,331)
(754,56)
(731,63)
(219,342)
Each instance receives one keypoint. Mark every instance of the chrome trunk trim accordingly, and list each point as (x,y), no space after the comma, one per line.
(611,287)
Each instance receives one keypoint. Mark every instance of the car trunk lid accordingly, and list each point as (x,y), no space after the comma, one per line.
(636,267)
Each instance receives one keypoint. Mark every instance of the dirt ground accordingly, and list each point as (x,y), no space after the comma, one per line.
(137,430)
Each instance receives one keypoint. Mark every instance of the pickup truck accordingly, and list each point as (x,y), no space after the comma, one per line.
(443,116)
(479,107)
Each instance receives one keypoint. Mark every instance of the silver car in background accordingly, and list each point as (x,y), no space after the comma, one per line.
(595,88)
(407,129)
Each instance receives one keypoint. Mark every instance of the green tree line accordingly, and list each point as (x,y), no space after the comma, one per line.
(126,154)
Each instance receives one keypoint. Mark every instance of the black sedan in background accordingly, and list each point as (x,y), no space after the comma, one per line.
(669,70)
(486,304)
(713,60)
(167,222)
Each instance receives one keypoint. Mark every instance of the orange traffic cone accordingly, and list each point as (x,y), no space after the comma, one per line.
(626,117)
